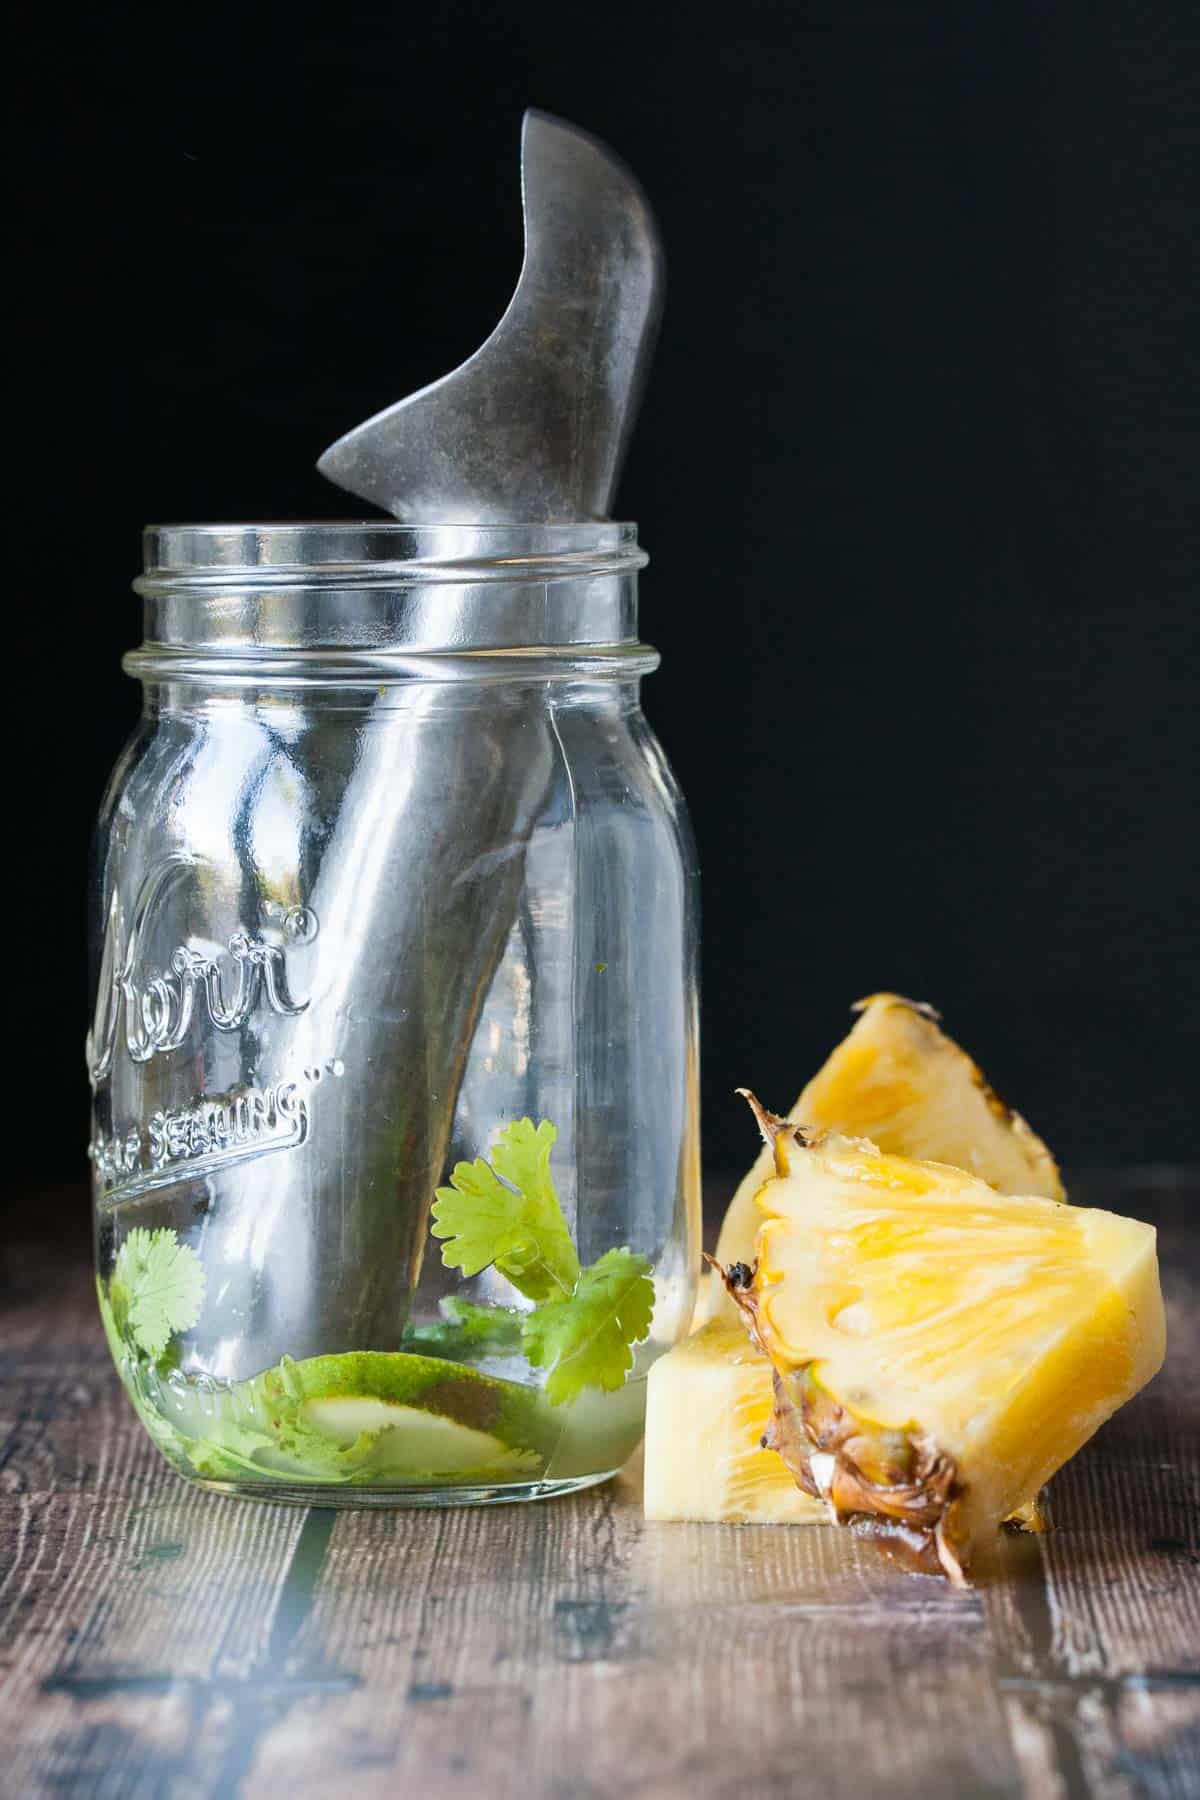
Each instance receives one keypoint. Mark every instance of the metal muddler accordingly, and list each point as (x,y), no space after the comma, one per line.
(421,876)
(532,428)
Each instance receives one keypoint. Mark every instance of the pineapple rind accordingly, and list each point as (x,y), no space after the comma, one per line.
(998,1334)
(899,1080)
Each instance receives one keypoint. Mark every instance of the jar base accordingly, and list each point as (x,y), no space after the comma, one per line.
(380,1498)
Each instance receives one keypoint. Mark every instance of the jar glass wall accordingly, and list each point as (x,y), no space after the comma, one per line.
(394,892)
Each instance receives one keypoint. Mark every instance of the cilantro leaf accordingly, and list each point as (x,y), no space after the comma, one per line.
(586,1340)
(518,1227)
(157,1288)
(505,1213)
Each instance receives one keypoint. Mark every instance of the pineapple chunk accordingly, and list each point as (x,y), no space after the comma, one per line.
(900,1081)
(941,1350)
(708,1403)
(901,1077)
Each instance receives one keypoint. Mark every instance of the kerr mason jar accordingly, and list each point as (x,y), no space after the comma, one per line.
(393,879)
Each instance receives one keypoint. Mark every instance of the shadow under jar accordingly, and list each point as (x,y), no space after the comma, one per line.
(392,864)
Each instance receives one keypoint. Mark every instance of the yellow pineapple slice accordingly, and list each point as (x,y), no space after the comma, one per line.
(939,1350)
(898,1075)
(898,1079)
(708,1403)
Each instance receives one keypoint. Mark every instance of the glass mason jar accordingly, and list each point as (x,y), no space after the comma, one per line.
(393,877)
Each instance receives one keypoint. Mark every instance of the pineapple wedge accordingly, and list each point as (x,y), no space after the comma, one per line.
(898,1079)
(708,1403)
(939,1350)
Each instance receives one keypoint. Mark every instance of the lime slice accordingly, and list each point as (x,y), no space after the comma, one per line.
(365,1417)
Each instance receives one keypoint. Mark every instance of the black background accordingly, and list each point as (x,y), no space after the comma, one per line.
(917,469)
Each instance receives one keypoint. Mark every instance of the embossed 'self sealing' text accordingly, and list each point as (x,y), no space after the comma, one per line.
(214,1130)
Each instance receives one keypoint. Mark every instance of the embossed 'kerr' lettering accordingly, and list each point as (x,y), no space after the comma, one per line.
(152,1011)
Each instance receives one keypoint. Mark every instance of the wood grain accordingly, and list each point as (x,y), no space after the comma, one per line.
(163,1642)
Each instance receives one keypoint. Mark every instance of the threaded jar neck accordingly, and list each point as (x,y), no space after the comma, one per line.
(377,601)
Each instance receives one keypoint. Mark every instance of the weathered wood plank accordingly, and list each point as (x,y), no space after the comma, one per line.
(1099,1648)
(162,1642)
(574,1649)
(134,1612)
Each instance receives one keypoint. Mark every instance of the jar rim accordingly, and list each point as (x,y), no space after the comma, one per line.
(370,552)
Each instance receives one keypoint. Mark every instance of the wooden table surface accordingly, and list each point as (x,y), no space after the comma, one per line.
(159,1641)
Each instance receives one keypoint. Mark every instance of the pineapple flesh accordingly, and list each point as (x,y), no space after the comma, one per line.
(898,1079)
(939,1350)
(708,1405)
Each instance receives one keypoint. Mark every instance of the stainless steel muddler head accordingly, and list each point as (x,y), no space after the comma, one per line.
(428,805)
(533,427)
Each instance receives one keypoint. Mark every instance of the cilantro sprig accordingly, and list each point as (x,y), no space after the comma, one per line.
(519,1227)
(504,1213)
(587,1341)
(157,1289)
